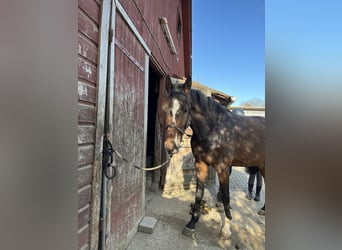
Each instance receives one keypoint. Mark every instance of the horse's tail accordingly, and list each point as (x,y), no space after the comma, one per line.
(252,170)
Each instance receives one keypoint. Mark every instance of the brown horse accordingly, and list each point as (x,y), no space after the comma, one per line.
(220,139)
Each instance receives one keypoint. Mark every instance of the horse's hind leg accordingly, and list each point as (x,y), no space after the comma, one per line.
(262,211)
(224,189)
(202,174)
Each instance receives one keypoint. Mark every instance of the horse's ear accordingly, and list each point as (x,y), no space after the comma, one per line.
(168,84)
(187,84)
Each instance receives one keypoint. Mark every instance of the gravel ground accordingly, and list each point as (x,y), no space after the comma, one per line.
(172,213)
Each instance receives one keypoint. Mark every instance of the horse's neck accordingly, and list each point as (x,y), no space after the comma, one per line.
(202,120)
(199,124)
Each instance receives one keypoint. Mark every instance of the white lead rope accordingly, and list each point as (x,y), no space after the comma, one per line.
(141,168)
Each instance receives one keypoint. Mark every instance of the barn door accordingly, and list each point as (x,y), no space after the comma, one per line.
(124,195)
(124,67)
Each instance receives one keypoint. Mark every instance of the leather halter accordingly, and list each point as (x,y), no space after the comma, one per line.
(182,131)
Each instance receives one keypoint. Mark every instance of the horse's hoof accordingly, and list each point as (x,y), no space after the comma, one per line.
(261,212)
(225,235)
(188,231)
(229,215)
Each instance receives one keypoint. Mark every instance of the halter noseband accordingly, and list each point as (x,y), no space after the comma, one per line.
(182,131)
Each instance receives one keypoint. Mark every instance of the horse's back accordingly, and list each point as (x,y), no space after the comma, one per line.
(235,140)
(248,140)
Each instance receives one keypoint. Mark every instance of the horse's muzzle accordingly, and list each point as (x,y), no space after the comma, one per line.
(173,139)
(171,147)
(174,151)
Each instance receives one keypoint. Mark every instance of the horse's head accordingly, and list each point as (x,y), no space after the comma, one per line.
(177,113)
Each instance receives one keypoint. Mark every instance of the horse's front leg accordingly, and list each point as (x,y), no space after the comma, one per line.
(202,174)
(224,190)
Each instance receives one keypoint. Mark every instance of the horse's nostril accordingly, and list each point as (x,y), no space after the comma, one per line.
(174,151)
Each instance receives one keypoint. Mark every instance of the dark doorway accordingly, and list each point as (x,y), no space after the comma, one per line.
(153,94)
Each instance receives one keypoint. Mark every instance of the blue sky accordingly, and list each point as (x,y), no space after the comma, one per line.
(228,47)
(310,39)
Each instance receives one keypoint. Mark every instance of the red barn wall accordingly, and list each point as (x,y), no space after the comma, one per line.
(145,16)
(88,28)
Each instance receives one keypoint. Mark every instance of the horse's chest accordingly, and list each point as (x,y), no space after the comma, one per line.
(210,150)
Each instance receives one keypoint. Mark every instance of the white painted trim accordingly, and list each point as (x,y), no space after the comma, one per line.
(145,127)
(132,26)
(111,75)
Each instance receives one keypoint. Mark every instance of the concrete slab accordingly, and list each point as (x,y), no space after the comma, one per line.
(147,224)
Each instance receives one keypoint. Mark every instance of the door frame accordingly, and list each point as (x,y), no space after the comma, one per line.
(94,220)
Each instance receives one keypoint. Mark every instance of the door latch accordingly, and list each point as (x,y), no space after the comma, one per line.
(107,159)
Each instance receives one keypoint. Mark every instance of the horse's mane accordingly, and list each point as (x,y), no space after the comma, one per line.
(206,104)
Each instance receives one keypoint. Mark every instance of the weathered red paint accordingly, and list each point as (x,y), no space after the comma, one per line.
(84,176)
(86,114)
(86,134)
(124,218)
(88,36)
(88,27)
(87,49)
(91,8)
(128,132)
(86,92)
(87,70)
(83,237)
(85,154)
(84,196)
(151,12)
(83,217)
